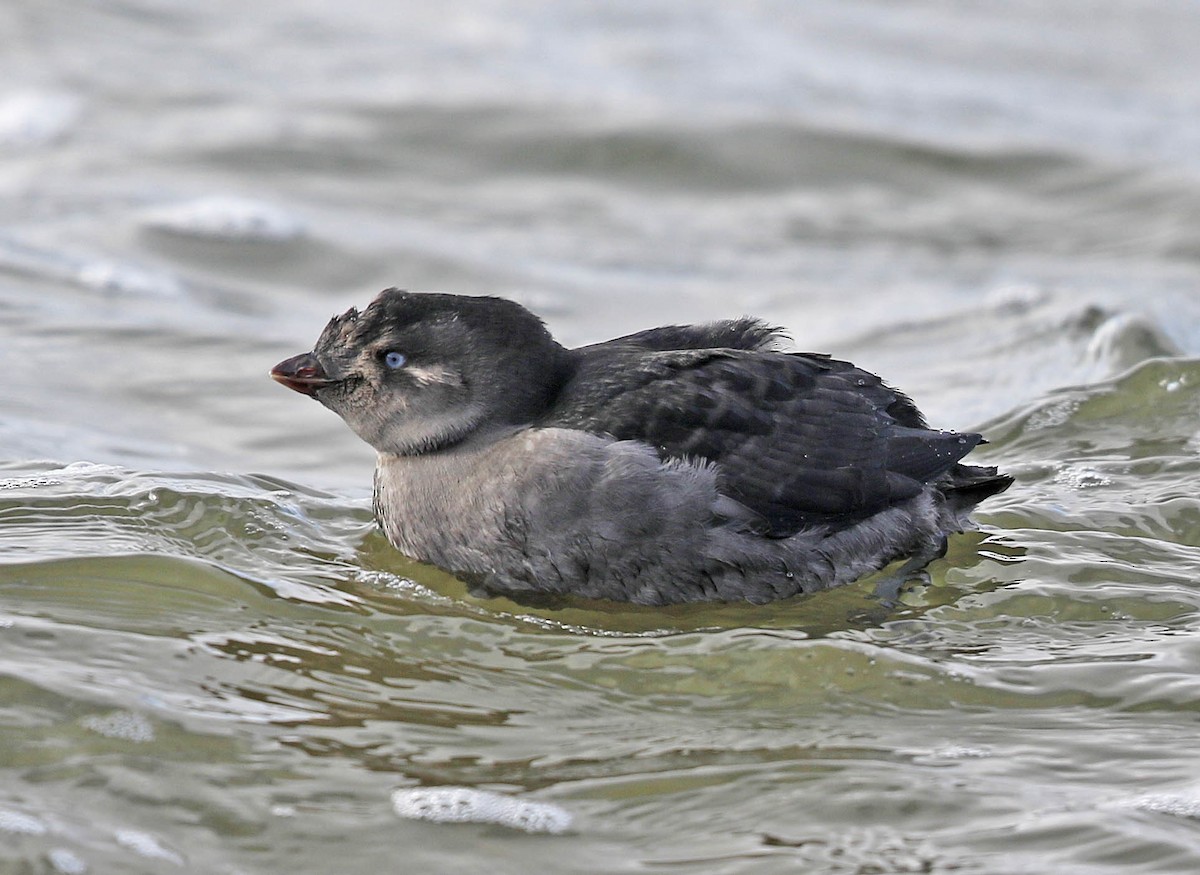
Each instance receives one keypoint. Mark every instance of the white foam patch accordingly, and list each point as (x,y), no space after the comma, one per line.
(93,272)
(467,805)
(88,469)
(67,862)
(1165,803)
(1016,296)
(1053,416)
(28,482)
(1128,338)
(1081,477)
(112,276)
(146,845)
(125,725)
(20,823)
(226,218)
(957,752)
(31,118)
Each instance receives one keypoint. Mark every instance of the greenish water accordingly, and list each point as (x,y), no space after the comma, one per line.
(240,671)
(211,662)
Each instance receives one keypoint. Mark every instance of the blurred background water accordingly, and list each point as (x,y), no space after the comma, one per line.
(210,662)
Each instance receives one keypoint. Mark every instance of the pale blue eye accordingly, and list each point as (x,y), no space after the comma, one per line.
(395,359)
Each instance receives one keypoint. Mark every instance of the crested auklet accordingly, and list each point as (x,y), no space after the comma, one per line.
(680,464)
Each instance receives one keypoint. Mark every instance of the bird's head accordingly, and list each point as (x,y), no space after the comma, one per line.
(416,372)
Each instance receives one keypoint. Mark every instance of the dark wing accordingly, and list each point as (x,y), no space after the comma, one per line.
(803,440)
(744,333)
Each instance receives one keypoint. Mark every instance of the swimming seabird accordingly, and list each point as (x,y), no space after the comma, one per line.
(679,464)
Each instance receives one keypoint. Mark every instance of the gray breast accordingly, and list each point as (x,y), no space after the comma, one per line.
(569,512)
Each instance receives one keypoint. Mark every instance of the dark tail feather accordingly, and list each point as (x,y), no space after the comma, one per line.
(966,485)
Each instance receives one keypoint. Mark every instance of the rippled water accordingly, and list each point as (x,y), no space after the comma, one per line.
(210,661)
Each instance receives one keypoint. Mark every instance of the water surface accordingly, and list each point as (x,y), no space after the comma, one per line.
(210,661)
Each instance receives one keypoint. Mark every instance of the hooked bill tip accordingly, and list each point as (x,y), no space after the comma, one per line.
(301,373)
